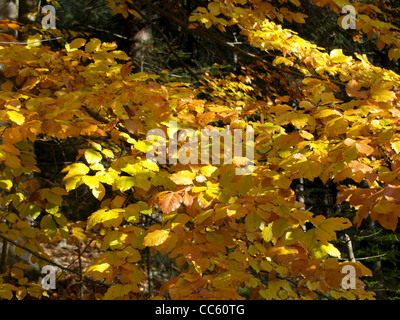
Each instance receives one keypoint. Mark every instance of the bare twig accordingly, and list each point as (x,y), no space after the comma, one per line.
(107,31)
(49,261)
(36,41)
(99,118)
(372,257)
(38,255)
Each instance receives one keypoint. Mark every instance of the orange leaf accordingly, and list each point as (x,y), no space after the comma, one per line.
(364,148)
(155,238)
(126,70)
(170,202)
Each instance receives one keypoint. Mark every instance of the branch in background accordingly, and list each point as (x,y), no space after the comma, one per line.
(3,256)
(48,260)
(168,43)
(107,31)
(39,256)
(32,42)
(372,257)
(232,46)
(99,118)
(349,247)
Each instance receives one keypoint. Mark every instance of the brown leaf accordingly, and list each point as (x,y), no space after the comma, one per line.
(187,200)
(170,201)
(126,70)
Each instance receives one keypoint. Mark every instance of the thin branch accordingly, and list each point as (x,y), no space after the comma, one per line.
(36,41)
(168,43)
(39,256)
(99,118)
(233,47)
(107,31)
(371,257)
(49,261)
(295,283)
(367,236)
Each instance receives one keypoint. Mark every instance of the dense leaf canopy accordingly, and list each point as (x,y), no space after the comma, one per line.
(314,114)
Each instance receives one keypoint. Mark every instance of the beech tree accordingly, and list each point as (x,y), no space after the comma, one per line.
(229,227)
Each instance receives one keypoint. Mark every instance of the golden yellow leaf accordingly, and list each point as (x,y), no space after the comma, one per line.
(155,238)
(77,43)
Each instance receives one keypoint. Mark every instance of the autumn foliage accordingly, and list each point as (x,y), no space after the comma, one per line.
(315,114)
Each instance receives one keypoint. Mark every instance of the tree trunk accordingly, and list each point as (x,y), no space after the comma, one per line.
(140,35)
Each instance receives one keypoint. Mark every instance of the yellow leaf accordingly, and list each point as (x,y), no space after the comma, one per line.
(299,120)
(132,213)
(306,105)
(280,60)
(364,148)
(328,112)
(124,183)
(92,156)
(208,170)
(99,271)
(73,183)
(108,153)
(267,233)
(331,250)
(117,291)
(91,181)
(75,169)
(5,292)
(155,238)
(77,43)
(6,184)
(215,8)
(337,56)
(92,45)
(252,221)
(49,226)
(326,98)
(106,217)
(183,178)
(142,145)
(16,117)
(99,191)
(396,146)
(326,230)
(150,165)
(383,95)
(34,40)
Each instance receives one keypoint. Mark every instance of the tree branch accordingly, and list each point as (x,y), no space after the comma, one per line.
(232,46)
(349,246)
(371,257)
(38,255)
(99,118)
(49,261)
(168,43)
